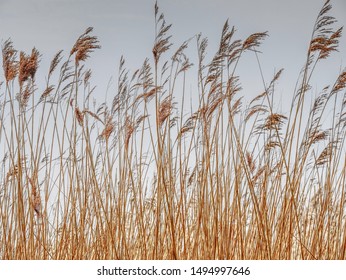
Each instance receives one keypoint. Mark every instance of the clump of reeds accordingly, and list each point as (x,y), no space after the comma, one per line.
(144,177)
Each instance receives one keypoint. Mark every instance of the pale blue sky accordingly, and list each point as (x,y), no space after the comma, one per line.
(127,28)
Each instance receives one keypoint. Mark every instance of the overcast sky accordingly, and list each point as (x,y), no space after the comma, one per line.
(127,28)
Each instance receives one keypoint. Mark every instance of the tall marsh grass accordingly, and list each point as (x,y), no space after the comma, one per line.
(151,175)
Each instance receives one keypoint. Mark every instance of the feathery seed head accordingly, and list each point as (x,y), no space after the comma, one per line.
(10,65)
(84,45)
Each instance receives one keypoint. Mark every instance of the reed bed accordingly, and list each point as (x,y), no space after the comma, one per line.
(151,175)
